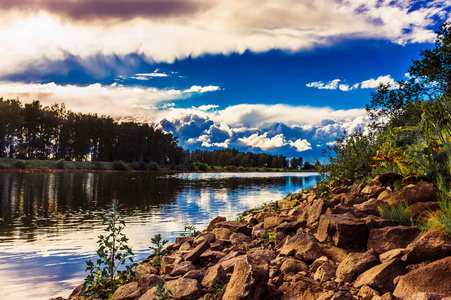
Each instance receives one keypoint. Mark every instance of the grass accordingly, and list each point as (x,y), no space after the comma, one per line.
(399,213)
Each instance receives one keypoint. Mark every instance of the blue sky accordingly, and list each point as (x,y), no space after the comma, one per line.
(283,77)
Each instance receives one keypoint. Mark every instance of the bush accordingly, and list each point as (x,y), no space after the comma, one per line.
(20,164)
(203,167)
(153,166)
(119,165)
(60,164)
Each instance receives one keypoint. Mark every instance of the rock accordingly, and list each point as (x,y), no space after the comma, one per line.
(367,293)
(248,280)
(167,264)
(143,269)
(422,192)
(183,268)
(273,221)
(388,238)
(197,274)
(293,266)
(239,239)
(325,272)
(384,195)
(185,289)
(208,236)
(146,282)
(288,227)
(128,291)
(341,209)
(213,222)
(381,276)
(302,287)
(265,254)
(432,278)
(345,231)
(429,246)
(336,254)
(194,254)
(355,264)
(318,208)
(375,222)
(370,206)
(317,263)
(428,296)
(389,255)
(222,233)
(181,240)
(342,295)
(211,256)
(372,190)
(420,211)
(214,276)
(185,247)
(302,246)
(234,226)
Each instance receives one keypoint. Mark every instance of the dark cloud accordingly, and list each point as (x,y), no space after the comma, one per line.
(107,9)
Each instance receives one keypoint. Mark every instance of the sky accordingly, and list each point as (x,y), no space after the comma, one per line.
(284,77)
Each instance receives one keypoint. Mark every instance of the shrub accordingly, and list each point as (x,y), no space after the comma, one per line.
(159,243)
(153,166)
(135,165)
(119,165)
(60,164)
(203,167)
(20,164)
(113,252)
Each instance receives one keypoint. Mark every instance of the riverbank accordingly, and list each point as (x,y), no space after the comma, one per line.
(9,165)
(308,247)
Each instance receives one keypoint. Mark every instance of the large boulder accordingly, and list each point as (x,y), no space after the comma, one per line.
(293,266)
(432,278)
(413,193)
(185,288)
(345,231)
(129,291)
(234,226)
(194,254)
(381,276)
(214,276)
(430,246)
(302,246)
(389,238)
(183,268)
(355,264)
(249,279)
(317,208)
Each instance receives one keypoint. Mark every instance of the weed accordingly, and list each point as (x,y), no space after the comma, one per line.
(113,252)
(163,293)
(399,213)
(159,243)
(190,231)
(220,285)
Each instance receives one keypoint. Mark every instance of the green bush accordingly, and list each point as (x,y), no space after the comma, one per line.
(153,166)
(60,164)
(119,165)
(399,213)
(20,164)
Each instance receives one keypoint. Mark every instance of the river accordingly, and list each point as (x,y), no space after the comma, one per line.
(49,222)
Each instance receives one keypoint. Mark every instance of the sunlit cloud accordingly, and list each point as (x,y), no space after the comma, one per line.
(163,31)
(366,84)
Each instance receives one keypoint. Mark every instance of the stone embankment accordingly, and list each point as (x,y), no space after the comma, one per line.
(303,247)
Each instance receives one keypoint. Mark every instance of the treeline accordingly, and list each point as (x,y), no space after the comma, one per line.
(233,157)
(33,131)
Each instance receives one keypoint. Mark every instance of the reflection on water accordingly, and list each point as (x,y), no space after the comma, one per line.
(49,222)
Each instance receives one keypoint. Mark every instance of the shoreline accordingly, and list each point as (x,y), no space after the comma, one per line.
(306,247)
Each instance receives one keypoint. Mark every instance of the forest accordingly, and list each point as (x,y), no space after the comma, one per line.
(33,131)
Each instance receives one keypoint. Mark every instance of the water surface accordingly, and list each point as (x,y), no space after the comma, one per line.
(49,222)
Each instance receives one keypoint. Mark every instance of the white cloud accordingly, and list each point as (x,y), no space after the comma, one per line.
(265,143)
(115,100)
(301,145)
(366,84)
(30,35)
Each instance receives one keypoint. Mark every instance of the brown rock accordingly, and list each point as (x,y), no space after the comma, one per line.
(214,276)
(302,246)
(194,254)
(234,226)
(389,238)
(222,233)
(336,254)
(128,291)
(213,222)
(374,222)
(317,208)
(428,296)
(208,236)
(420,211)
(181,240)
(422,192)
(239,239)
(341,209)
(355,264)
(146,282)
(293,266)
(248,280)
(384,195)
(429,246)
(185,289)
(389,255)
(345,231)
(289,227)
(167,264)
(183,268)
(273,221)
(143,269)
(325,272)
(211,256)
(370,206)
(197,274)
(381,276)
(302,287)
(433,278)
(367,293)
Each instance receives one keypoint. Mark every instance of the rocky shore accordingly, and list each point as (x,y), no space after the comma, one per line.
(305,247)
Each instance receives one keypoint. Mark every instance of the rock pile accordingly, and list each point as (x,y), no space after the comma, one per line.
(302,247)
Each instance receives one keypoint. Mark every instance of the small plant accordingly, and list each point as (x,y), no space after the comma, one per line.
(220,285)
(159,243)
(266,239)
(239,216)
(163,293)
(399,213)
(113,252)
(190,231)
